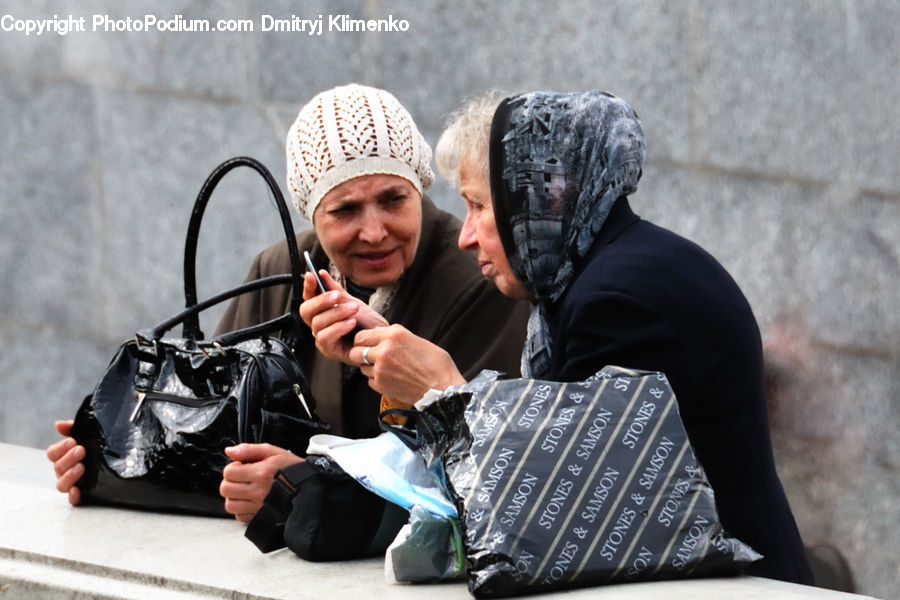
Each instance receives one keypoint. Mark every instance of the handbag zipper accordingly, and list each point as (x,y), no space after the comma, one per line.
(174,399)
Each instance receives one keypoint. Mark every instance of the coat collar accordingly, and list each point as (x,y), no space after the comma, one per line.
(620,218)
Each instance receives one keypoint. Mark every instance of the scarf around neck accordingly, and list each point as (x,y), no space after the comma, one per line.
(558,163)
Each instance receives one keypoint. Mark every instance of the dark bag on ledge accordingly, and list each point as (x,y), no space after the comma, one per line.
(156,425)
(323,514)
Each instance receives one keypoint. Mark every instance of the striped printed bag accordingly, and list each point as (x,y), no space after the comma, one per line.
(563,485)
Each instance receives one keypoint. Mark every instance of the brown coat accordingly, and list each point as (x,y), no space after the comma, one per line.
(442,298)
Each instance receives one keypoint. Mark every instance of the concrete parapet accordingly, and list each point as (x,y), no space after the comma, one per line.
(50,550)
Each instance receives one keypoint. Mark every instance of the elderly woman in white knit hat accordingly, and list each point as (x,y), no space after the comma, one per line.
(358,169)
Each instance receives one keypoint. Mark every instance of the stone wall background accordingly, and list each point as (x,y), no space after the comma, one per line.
(772,141)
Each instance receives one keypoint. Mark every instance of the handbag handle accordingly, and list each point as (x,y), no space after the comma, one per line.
(233,336)
(191,318)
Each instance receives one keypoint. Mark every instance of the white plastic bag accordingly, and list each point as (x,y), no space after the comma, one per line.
(389,468)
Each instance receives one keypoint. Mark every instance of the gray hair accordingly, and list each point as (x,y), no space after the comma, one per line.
(468,131)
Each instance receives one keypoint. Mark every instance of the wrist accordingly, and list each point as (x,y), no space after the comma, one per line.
(450,377)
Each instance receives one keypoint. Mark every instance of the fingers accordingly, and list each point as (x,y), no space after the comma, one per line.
(256,463)
(243,500)
(65,454)
(336,315)
(401,365)
(56,450)
(375,336)
(309,286)
(369,319)
(245,484)
(324,309)
(333,315)
(250,453)
(64,428)
(364,356)
(244,488)
(330,321)
(316,303)
(330,284)
(243,510)
(65,483)
(248,473)
(67,457)
(378,342)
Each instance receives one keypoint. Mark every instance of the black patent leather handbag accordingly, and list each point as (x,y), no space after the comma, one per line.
(157,423)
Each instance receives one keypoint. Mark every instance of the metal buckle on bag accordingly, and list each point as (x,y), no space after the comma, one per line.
(148,353)
(283,480)
(281,493)
(266,529)
(137,408)
(146,345)
(217,381)
(215,345)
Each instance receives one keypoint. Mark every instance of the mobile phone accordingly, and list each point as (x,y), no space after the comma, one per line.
(314,271)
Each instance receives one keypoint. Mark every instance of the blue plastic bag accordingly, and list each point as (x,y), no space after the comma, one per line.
(389,468)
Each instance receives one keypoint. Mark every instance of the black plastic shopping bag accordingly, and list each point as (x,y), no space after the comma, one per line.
(565,485)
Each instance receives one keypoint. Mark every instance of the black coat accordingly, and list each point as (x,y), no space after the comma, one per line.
(645,298)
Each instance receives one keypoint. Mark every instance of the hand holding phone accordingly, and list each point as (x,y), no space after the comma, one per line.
(320,285)
(314,271)
(366,318)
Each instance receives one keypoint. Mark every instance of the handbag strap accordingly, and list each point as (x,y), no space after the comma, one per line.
(233,336)
(266,529)
(191,319)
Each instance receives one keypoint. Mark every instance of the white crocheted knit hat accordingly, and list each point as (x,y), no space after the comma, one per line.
(347,132)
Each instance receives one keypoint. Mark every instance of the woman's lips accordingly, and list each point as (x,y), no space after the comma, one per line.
(487,268)
(376,259)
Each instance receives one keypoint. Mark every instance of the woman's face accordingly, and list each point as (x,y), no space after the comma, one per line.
(479,231)
(369,227)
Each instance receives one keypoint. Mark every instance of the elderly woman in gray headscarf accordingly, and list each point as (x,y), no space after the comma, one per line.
(546,178)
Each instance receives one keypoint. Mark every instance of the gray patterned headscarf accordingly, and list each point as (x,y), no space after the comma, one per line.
(558,163)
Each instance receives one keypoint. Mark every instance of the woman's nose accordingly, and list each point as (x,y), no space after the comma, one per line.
(467,239)
(372,230)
